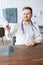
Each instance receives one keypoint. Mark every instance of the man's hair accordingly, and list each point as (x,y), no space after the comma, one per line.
(27,8)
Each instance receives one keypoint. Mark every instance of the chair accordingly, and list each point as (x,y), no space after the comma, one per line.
(2,33)
(5,50)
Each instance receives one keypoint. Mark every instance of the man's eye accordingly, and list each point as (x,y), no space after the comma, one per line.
(24,13)
(28,13)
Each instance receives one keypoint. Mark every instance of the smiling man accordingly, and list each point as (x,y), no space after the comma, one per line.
(26,31)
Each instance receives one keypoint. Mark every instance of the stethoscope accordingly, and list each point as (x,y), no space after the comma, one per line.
(32,25)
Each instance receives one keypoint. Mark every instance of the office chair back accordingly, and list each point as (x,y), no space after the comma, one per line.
(2,33)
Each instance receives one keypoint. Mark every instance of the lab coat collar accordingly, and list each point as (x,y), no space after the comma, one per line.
(26,24)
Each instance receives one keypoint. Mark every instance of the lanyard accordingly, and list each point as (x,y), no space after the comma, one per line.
(32,25)
(22,27)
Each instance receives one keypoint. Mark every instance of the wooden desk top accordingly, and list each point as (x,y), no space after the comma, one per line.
(24,56)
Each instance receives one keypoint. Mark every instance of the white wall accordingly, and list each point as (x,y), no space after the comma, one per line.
(37,6)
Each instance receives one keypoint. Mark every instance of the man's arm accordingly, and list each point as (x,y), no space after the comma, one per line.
(9,30)
(37,37)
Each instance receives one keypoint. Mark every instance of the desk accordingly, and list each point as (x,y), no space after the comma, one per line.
(24,56)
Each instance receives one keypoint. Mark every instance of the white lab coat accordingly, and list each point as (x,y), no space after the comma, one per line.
(27,36)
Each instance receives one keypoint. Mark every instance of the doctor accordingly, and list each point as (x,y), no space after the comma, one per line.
(26,32)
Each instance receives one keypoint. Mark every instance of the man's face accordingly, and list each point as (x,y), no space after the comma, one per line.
(27,15)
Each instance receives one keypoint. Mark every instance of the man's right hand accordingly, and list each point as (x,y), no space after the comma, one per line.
(7,26)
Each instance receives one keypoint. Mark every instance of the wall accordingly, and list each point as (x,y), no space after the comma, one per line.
(37,6)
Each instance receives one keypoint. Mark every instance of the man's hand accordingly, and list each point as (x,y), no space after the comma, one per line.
(7,26)
(31,43)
